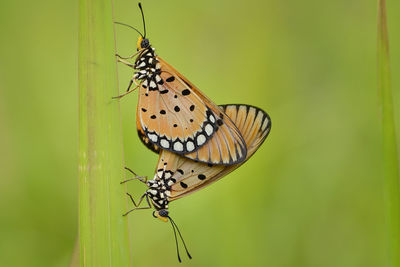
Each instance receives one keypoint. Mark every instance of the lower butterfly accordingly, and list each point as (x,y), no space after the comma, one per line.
(177,176)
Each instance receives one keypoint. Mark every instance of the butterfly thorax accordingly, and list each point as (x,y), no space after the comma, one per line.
(160,189)
(148,69)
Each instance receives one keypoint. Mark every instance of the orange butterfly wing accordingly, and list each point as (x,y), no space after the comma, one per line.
(179,118)
(191,176)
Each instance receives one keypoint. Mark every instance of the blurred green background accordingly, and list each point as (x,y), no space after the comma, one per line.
(311,196)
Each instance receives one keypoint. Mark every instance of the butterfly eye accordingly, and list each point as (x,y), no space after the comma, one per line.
(145,43)
(163,213)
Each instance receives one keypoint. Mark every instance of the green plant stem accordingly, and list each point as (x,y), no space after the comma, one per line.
(103,231)
(391,172)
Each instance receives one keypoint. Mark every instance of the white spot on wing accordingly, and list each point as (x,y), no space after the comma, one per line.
(209,129)
(201,139)
(153,137)
(212,118)
(178,146)
(189,146)
(164,143)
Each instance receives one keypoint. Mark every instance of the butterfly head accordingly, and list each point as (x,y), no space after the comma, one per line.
(161,215)
(142,43)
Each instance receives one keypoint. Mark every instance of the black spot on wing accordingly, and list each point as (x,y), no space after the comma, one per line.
(170,79)
(186,92)
(183,185)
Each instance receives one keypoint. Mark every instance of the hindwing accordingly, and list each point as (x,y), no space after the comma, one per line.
(190,176)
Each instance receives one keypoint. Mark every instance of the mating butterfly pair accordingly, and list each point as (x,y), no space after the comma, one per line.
(198,141)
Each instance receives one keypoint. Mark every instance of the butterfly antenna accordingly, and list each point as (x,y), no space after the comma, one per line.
(123,24)
(144,23)
(183,241)
(176,240)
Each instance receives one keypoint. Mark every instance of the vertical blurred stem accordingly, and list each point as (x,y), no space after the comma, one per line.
(103,232)
(391,172)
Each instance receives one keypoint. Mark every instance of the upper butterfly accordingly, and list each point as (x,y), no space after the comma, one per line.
(174,115)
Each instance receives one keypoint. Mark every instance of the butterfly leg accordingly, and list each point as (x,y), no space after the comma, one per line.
(143,179)
(135,54)
(138,204)
(126,63)
(130,84)
(119,57)
(127,91)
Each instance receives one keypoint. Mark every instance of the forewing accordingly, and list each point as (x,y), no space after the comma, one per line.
(179,118)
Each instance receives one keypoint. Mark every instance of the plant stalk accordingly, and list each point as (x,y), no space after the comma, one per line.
(390,156)
(103,231)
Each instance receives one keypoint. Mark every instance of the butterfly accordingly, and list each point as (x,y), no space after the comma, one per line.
(173,115)
(177,176)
